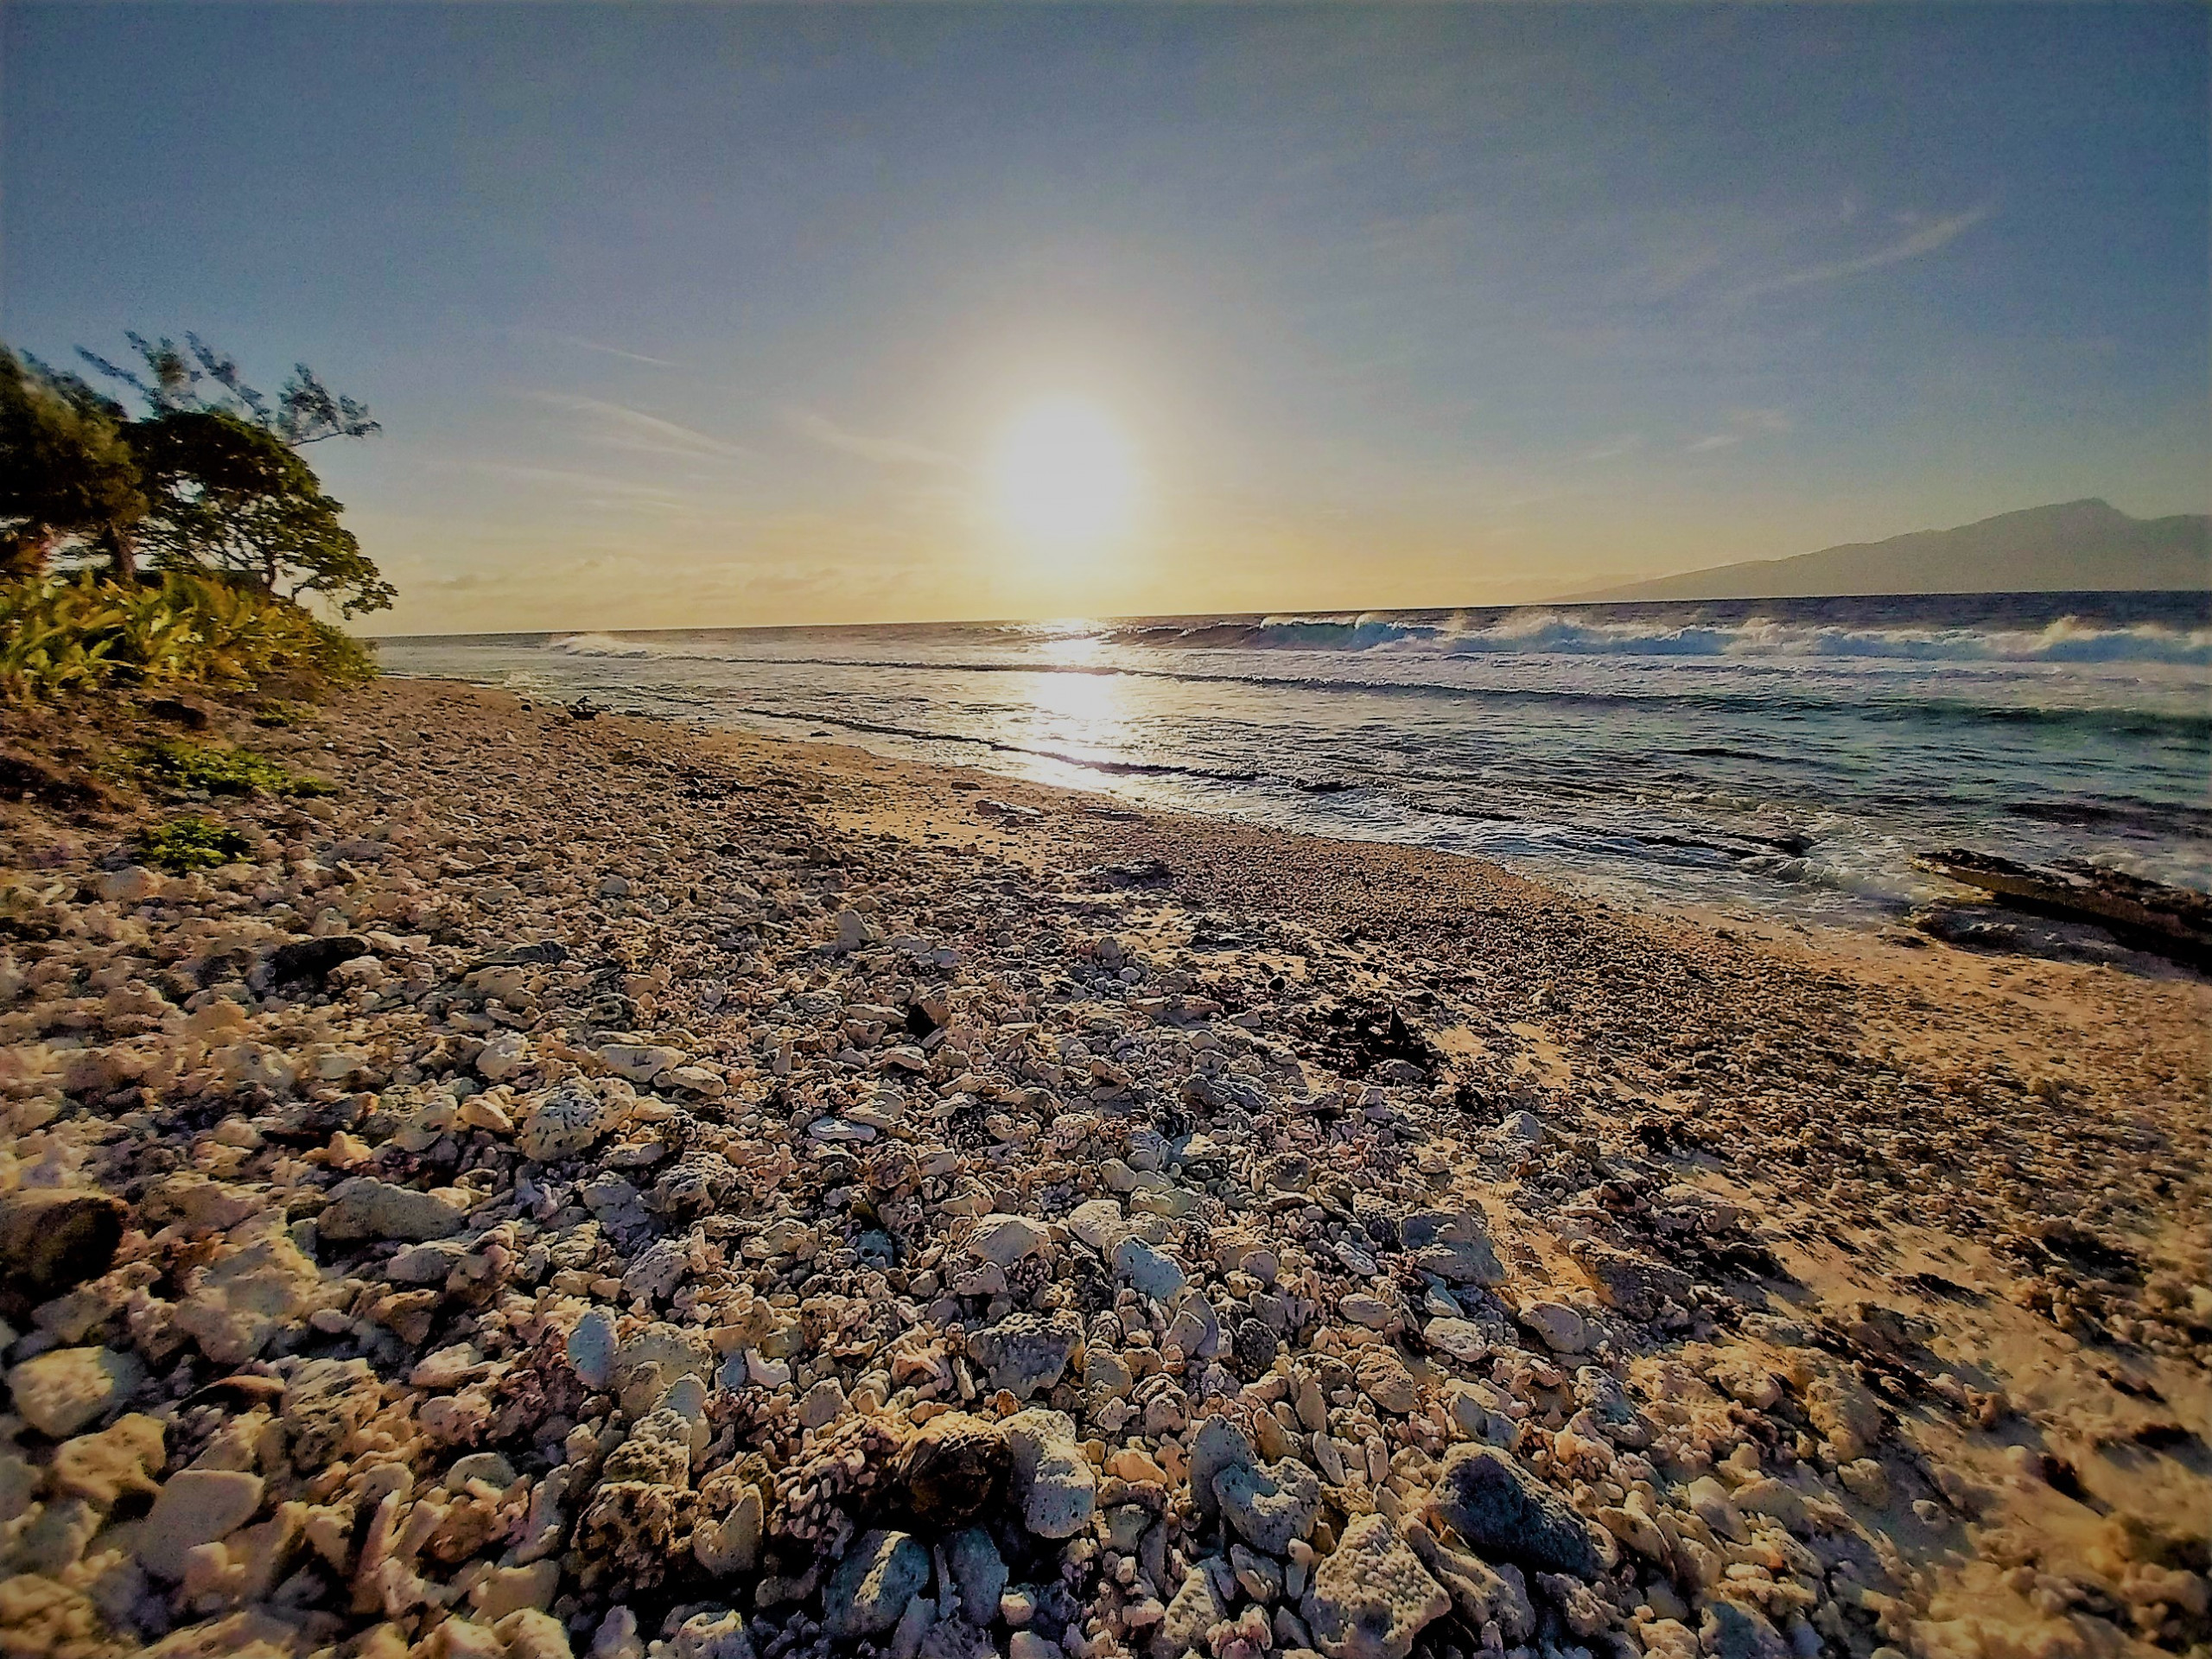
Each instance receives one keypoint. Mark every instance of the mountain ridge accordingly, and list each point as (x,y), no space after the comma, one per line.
(2067,547)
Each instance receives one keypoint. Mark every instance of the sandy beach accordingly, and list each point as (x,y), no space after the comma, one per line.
(586,1186)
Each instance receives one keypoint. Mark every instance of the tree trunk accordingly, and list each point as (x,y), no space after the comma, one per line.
(121,550)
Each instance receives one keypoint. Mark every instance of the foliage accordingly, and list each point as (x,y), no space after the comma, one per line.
(228,495)
(66,473)
(183,845)
(174,382)
(223,770)
(82,634)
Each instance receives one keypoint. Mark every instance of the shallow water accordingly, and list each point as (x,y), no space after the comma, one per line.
(1778,755)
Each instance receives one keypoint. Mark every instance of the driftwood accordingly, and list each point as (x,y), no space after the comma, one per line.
(2172,922)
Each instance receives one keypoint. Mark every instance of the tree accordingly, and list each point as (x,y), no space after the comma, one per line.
(305,412)
(227,489)
(66,470)
(230,496)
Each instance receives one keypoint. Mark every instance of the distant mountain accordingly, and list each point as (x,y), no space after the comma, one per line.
(2075,547)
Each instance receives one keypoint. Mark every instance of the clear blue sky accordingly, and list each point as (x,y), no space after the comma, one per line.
(712,315)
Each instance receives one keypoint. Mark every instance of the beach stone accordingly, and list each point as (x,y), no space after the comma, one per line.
(1560,1328)
(365,1208)
(591,1349)
(1218,1445)
(1195,1609)
(1269,1505)
(63,1390)
(1050,1479)
(1256,1345)
(1636,1285)
(235,1304)
(1384,1378)
(1370,1311)
(1025,1355)
(1733,1630)
(978,1572)
(121,1459)
(1482,1594)
(196,1507)
(656,1272)
(53,1239)
(1459,1339)
(1371,1597)
(325,1400)
(1455,1248)
(640,1062)
(566,1122)
(712,1636)
(1098,1223)
(871,1586)
(1004,1240)
(1148,1271)
(1505,1513)
(1847,1414)
(954,1469)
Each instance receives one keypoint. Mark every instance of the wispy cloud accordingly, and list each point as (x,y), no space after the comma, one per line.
(632,428)
(1742,423)
(1934,234)
(884,451)
(578,343)
(1614,449)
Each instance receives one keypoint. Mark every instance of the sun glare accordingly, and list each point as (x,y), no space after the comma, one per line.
(1063,476)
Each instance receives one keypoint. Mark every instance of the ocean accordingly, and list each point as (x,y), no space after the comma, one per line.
(1761,757)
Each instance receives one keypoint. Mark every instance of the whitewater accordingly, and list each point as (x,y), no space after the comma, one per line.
(1789,757)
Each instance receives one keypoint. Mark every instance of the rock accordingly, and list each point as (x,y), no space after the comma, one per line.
(1481,1593)
(1371,1596)
(1733,1630)
(1050,1479)
(1461,1339)
(592,1347)
(1636,1285)
(63,1389)
(529,1634)
(954,1470)
(1371,1312)
(822,1404)
(1846,1415)
(1025,1355)
(1505,1513)
(53,1239)
(1147,1270)
(313,959)
(1004,1240)
(1195,1609)
(978,1573)
(1560,1328)
(1384,1378)
(1256,1345)
(365,1208)
(196,1507)
(657,1271)
(640,1062)
(882,1572)
(121,1459)
(234,1305)
(325,1400)
(1455,1248)
(565,1121)
(1098,1223)
(712,1636)
(1219,1445)
(1269,1505)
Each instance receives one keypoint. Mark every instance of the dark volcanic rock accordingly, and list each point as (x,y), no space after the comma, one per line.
(1506,1514)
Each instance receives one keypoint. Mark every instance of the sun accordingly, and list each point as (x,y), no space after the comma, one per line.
(1063,476)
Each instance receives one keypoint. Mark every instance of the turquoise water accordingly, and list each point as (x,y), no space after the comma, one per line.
(1771,755)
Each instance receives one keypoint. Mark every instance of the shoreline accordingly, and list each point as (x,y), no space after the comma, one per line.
(1682,1213)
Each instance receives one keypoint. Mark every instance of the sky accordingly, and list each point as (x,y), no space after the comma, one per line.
(703,315)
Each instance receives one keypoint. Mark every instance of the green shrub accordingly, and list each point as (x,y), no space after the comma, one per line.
(183,845)
(222,771)
(81,634)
